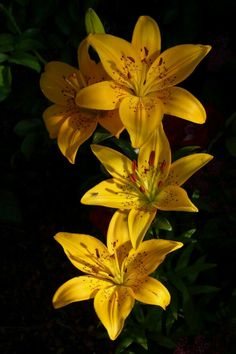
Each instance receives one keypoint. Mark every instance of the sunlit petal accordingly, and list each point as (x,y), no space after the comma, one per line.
(54,84)
(140,116)
(147,39)
(139,222)
(182,169)
(181,103)
(78,289)
(53,117)
(85,252)
(112,193)
(105,95)
(117,164)
(76,129)
(110,120)
(113,305)
(174,198)
(152,292)
(147,257)
(118,237)
(174,65)
(118,57)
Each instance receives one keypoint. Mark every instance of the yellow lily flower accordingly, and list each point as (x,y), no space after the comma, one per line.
(143,80)
(117,275)
(143,186)
(64,120)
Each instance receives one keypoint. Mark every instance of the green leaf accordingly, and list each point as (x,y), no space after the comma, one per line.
(184,257)
(93,23)
(3,57)
(231,145)
(162,223)
(29,144)
(164,341)
(184,151)
(5,82)
(126,147)
(25,44)
(101,135)
(27,126)
(188,234)
(7,42)
(26,59)
(9,208)
(203,289)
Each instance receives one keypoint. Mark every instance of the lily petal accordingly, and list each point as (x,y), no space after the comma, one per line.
(78,289)
(182,169)
(181,103)
(53,117)
(85,252)
(147,39)
(113,305)
(146,258)
(174,198)
(54,84)
(174,65)
(110,120)
(91,71)
(141,116)
(155,152)
(112,193)
(117,164)
(118,57)
(105,95)
(152,292)
(139,222)
(118,237)
(75,130)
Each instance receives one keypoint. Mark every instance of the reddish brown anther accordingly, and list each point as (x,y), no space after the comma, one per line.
(151,158)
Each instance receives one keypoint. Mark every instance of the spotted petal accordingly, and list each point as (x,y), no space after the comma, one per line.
(76,129)
(139,222)
(182,169)
(152,292)
(147,39)
(78,289)
(174,65)
(174,198)
(183,104)
(85,252)
(140,116)
(146,258)
(113,193)
(53,117)
(117,164)
(118,57)
(113,305)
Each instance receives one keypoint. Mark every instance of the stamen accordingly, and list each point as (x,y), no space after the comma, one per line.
(146,51)
(162,166)
(142,189)
(133,178)
(160,184)
(151,158)
(134,166)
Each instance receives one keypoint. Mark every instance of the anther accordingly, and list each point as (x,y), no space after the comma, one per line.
(163,165)
(151,158)
(134,166)
(142,189)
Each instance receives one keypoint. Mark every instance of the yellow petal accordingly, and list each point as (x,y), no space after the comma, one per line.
(118,237)
(139,222)
(146,258)
(117,164)
(78,289)
(155,152)
(147,39)
(85,252)
(120,60)
(183,104)
(105,95)
(110,120)
(140,116)
(112,193)
(54,84)
(182,169)
(53,117)
(152,292)
(174,65)
(91,71)
(113,305)
(174,198)
(75,130)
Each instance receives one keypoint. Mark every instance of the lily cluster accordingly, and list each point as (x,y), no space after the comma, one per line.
(132,87)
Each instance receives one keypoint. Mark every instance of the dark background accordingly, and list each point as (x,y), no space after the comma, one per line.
(40,191)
